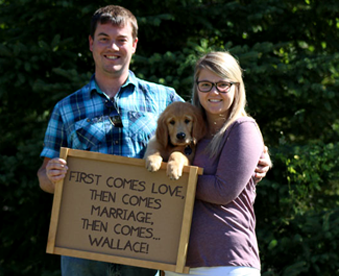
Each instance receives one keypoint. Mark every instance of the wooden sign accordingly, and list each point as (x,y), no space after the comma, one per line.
(110,208)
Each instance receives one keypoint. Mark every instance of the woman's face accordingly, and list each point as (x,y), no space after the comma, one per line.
(215,103)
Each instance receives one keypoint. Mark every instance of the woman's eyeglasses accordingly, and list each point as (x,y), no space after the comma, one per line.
(221,86)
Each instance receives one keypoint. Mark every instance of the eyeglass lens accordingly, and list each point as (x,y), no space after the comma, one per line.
(206,86)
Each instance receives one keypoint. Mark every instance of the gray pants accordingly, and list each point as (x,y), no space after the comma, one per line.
(81,267)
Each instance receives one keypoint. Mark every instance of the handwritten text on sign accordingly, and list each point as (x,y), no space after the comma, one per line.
(121,210)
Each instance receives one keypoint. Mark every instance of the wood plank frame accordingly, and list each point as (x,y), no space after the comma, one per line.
(178,266)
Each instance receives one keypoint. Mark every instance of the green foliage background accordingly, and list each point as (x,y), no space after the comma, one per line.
(290,56)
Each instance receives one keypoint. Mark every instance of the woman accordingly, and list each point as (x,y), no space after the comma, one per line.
(223,239)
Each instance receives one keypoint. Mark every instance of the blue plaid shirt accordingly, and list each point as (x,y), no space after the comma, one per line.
(85,120)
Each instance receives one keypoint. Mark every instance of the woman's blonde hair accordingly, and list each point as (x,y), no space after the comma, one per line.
(226,66)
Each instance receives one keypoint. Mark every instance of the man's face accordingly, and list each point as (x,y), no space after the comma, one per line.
(112,48)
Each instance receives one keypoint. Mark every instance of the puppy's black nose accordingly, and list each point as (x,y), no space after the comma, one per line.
(181,135)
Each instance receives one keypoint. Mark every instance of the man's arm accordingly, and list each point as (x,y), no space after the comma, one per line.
(50,172)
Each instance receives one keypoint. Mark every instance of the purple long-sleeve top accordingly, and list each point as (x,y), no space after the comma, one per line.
(223,224)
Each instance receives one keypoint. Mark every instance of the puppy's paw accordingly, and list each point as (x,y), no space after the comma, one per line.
(175,165)
(153,163)
(174,170)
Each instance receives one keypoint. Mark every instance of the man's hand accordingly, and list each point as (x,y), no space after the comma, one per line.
(51,171)
(263,166)
(56,169)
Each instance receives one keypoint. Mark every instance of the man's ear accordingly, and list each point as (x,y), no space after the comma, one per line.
(135,43)
(90,43)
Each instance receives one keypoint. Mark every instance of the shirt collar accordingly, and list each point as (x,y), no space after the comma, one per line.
(131,79)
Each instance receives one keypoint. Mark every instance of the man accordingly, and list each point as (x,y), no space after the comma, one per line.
(115,113)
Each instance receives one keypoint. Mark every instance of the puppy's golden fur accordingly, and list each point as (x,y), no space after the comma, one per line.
(180,127)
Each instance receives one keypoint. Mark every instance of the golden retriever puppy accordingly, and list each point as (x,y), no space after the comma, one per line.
(179,128)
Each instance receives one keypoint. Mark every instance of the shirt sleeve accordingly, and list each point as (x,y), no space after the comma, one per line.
(174,97)
(235,166)
(55,136)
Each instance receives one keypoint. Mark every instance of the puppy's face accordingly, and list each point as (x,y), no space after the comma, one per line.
(180,124)
(180,129)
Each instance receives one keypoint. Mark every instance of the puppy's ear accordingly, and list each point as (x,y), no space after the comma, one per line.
(199,125)
(162,130)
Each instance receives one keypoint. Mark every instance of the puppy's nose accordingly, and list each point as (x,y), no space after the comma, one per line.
(181,135)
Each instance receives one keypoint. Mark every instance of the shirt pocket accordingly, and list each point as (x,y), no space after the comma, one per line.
(90,133)
(141,127)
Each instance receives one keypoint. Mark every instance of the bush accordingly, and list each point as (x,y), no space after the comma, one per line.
(289,53)
(298,212)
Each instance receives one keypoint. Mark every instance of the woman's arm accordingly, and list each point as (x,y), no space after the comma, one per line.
(235,166)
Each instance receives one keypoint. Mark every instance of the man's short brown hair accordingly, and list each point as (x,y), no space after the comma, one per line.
(117,16)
